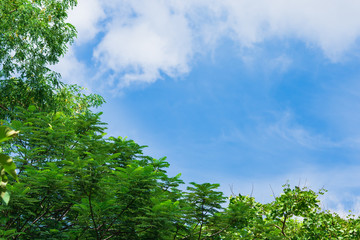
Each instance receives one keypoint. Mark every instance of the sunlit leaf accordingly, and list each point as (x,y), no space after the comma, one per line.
(8,164)
(5,197)
(7,133)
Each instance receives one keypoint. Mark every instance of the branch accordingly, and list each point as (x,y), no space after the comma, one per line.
(27,220)
(283,227)
(277,226)
(92,217)
(3,107)
(119,232)
(38,218)
(108,228)
(217,232)
(66,212)
(109,237)
(272,192)
(177,230)
(191,232)
(13,11)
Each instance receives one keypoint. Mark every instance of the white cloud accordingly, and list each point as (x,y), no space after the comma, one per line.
(143,39)
(73,71)
(156,41)
(331,25)
(85,17)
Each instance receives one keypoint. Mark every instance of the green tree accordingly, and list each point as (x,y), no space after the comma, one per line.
(34,34)
(295,214)
(204,202)
(76,183)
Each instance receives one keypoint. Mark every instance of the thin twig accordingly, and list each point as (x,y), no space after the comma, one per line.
(3,107)
(92,217)
(272,191)
(232,189)
(67,210)
(218,232)
(252,189)
(129,204)
(27,220)
(13,10)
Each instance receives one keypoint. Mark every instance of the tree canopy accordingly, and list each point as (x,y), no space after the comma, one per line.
(63,178)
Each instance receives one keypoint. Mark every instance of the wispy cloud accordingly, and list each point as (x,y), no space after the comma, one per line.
(288,130)
(279,130)
(342,185)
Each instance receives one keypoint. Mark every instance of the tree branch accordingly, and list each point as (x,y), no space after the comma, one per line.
(92,217)
(283,226)
(127,206)
(218,232)
(66,212)
(13,11)
(3,107)
(27,220)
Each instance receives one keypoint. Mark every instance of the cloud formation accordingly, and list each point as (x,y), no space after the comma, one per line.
(86,18)
(140,40)
(143,46)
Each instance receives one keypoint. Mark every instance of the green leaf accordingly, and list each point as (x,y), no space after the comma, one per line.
(31,108)
(8,165)
(58,115)
(7,133)
(5,197)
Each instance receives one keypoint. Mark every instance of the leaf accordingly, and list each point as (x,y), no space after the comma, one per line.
(31,108)
(7,133)
(26,190)
(4,180)
(5,197)
(58,115)
(8,165)
(115,155)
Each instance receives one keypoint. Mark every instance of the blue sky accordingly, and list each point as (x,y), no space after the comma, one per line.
(242,93)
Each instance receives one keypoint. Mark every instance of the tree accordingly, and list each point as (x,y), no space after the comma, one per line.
(73,182)
(295,214)
(34,34)
(204,203)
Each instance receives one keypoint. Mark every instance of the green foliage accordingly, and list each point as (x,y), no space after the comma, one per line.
(204,203)
(76,182)
(33,35)
(72,182)
(6,163)
(295,214)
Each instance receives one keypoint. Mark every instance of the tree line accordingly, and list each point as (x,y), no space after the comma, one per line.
(63,178)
